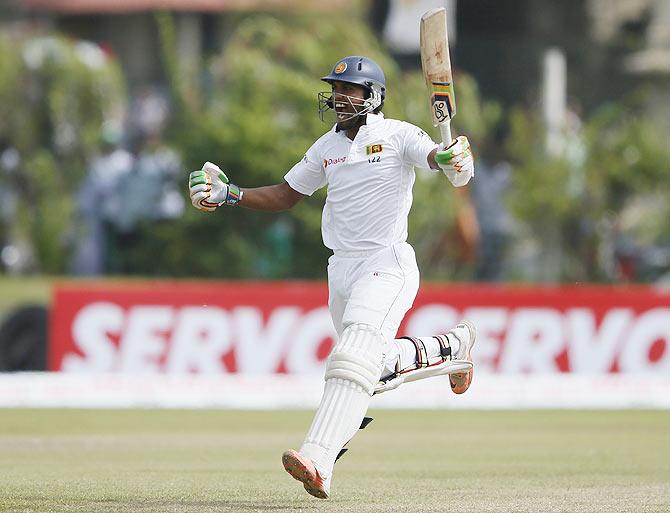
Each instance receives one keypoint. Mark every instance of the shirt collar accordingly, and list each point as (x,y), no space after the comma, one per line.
(371,119)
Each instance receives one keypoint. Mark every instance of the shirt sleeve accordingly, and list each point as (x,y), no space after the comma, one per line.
(417,145)
(308,175)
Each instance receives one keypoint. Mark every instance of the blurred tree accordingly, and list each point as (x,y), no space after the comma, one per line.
(256,114)
(256,122)
(573,209)
(54,96)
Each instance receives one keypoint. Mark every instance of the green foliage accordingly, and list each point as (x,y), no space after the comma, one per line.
(54,96)
(259,119)
(255,114)
(577,205)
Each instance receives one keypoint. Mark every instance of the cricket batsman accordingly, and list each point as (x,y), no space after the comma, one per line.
(367,164)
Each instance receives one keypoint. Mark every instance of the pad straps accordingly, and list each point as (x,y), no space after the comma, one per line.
(445,347)
(420,362)
(421,353)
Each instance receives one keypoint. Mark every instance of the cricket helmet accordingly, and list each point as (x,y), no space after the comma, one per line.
(360,70)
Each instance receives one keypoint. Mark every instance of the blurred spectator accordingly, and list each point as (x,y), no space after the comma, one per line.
(151,192)
(466,230)
(125,189)
(492,179)
(148,116)
(100,202)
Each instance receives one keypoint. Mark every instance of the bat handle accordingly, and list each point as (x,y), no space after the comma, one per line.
(445,132)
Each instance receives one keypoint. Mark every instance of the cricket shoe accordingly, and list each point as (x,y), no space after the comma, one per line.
(302,469)
(466,334)
(457,365)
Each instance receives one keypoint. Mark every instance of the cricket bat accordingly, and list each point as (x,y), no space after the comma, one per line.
(437,70)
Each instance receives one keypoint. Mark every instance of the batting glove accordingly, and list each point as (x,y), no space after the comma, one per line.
(210,188)
(457,162)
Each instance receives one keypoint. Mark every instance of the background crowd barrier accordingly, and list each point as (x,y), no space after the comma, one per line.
(264,345)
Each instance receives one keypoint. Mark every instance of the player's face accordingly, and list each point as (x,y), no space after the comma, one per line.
(348,100)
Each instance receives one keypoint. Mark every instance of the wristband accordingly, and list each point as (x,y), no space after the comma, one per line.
(234,195)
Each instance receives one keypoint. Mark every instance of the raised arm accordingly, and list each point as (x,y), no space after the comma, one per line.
(210,188)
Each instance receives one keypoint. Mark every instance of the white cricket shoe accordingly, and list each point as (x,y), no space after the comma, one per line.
(458,365)
(466,334)
(302,469)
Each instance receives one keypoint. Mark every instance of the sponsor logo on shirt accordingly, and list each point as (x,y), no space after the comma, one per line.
(332,162)
(373,148)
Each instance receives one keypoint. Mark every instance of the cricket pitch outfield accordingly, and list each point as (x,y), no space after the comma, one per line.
(405,461)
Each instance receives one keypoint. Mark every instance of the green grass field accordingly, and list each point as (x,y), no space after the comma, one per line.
(405,461)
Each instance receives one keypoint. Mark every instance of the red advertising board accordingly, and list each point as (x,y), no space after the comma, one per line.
(285,327)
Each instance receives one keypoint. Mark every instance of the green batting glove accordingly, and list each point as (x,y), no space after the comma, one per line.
(209,188)
(457,161)
(458,150)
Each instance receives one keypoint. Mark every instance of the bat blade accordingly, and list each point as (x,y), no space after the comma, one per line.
(436,64)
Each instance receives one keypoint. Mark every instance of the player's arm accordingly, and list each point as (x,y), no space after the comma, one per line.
(456,161)
(271,198)
(210,188)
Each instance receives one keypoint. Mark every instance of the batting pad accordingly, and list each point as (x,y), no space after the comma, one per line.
(352,371)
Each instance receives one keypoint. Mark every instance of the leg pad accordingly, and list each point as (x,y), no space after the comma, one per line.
(357,357)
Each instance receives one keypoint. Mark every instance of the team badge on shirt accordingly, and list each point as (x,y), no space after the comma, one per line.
(373,148)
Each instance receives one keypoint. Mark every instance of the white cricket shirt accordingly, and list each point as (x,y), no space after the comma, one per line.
(369,182)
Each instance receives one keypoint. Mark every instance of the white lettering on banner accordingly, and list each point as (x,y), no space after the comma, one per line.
(202,335)
(316,326)
(651,326)
(591,349)
(490,324)
(534,339)
(89,331)
(259,347)
(161,338)
(142,344)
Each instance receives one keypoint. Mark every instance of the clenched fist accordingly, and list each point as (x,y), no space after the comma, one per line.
(457,162)
(210,188)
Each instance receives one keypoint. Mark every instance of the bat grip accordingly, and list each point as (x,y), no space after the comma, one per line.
(445,132)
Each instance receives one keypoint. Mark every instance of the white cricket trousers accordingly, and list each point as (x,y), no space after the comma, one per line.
(372,287)
(375,289)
